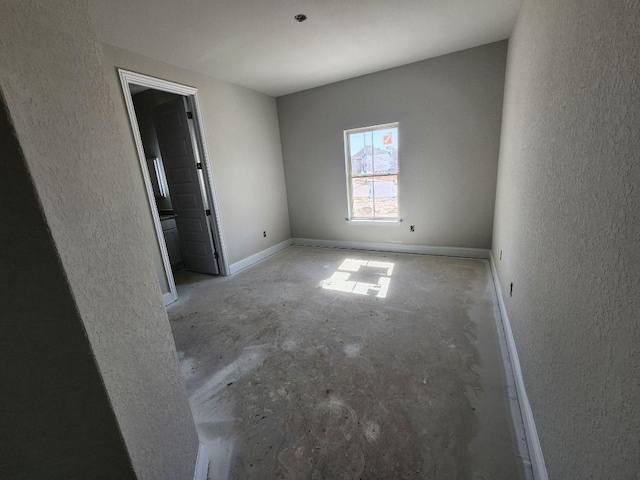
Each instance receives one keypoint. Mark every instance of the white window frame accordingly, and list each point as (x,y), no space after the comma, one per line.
(349,176)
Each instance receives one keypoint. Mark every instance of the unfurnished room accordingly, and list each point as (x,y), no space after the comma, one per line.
(340,240)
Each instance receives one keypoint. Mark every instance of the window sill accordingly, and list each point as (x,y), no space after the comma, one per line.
(374,222)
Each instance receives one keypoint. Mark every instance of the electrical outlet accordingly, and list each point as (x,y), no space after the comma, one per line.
(264,234)
(413,228)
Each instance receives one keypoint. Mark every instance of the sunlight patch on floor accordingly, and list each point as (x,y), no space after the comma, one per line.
(342,279)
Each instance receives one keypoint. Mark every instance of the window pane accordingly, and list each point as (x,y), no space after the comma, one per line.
(386,196)
(385,150)
(372,157)
(362,197)
(360,145)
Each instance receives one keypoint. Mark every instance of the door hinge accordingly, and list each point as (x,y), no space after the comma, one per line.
(207,212)
(215,255)
(199,166)
(190,115)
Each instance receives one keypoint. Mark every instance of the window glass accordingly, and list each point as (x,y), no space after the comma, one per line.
(385,148)
(362,188)
(372,170)
(386,201)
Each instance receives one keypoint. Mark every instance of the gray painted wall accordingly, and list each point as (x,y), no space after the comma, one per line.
(53,81)
(243,140)
(568,225)
(450,111)
(45,389)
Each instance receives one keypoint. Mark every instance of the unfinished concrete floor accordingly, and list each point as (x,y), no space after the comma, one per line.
(340,364)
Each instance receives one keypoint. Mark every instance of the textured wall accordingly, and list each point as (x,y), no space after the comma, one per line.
(449,109)
(55,88)
(243,139)
(45,389)
(568,225)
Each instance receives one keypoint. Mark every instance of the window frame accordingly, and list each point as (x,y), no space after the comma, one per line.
(350,176)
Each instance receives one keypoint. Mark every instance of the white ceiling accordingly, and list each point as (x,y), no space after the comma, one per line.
(258,44)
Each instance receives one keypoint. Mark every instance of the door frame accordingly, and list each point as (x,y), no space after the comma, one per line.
(127,78)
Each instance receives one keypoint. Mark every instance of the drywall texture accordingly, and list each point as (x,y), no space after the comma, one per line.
(45,389)
(568,226)
(449,109)
(54,85)
(243,141)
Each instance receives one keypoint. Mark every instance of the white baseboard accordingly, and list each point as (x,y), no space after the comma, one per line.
(202,464)
(396,248)
(168,298)
(256,257)
(533,441)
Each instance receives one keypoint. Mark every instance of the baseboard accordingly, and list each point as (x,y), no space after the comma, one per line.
(396,248)
(531,433)
(256,257)
(202,464)
(168,298)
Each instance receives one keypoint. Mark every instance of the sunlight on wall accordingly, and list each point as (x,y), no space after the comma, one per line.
(342,280)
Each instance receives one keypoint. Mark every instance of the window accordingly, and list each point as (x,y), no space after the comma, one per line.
(372,172)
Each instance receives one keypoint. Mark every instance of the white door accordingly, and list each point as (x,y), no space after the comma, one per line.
(178,156)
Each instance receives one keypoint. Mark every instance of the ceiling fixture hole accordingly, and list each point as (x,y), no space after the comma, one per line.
(301,17)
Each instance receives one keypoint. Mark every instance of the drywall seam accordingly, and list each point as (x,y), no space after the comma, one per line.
(396,247)
(256,257)
(202,464)
(535,450)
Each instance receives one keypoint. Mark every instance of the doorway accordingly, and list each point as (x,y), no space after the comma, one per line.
(167,127)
